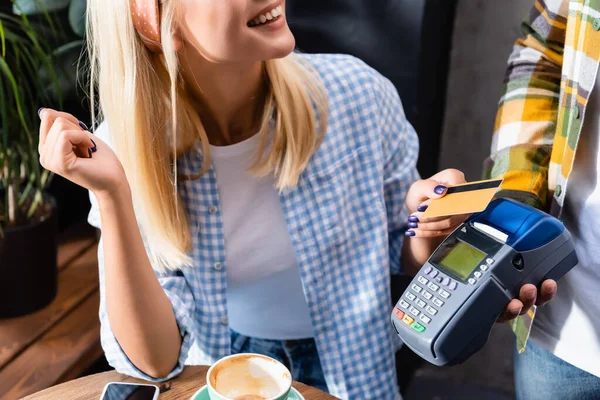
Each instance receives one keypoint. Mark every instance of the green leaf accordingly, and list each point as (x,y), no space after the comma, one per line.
(46,178)
(32,7)
(68,48)
(4,121)
(38,199)
(2,39)
(26,191)
(77,10)
(5,69)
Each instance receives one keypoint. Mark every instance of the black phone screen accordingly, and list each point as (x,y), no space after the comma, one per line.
(121,391)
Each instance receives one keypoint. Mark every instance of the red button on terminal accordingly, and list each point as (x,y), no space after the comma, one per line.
(398,313)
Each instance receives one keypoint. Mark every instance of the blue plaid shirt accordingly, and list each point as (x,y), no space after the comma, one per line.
(345,219)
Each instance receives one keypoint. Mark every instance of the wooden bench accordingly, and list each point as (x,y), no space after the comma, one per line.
(61,341)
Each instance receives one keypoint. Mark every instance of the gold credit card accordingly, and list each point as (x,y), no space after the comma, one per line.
(467,198)
(521,326)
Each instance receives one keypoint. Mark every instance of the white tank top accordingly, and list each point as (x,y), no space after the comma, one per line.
(265,297)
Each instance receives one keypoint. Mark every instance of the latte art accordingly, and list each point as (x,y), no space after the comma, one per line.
(249,377)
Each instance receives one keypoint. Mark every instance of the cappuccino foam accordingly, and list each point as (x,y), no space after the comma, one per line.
(249,378)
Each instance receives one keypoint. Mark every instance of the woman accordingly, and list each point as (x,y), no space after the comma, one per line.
(256,200)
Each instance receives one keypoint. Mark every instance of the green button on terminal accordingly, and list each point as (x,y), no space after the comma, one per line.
(418,327)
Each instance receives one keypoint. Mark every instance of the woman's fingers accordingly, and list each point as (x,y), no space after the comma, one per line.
(53,124)
(53,114)
(50,137)
(450,177)
(433,188)
(441,225)
(436,226)
(455,219)
(59,124)
(421,192)
(49,117)
(75,140)
(419,233)
(63,148)
(47,120)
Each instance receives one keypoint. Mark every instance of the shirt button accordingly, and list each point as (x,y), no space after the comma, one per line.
(596,24)
(558,190)
(218,266)
(224,320)
(576,111)
(213,209)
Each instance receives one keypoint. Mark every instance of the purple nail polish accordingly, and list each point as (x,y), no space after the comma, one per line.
(413,218)
(90,152)
(40,111)
(422,208)
(413,225)
(440,189)
(409,233)
(95,148)
(83,126)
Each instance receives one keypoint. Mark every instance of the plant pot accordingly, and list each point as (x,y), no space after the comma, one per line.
(28,270)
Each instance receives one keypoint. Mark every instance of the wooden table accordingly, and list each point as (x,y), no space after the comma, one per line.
(182,387)
(61,341)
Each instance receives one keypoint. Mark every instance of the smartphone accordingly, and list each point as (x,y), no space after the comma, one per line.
(129,391)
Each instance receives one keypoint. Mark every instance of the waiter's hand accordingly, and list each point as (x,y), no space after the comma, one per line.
(528,296)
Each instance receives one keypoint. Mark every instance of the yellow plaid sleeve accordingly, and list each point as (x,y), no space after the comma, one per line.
(528,109)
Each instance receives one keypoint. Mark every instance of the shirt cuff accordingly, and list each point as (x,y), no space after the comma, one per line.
(120,362)
(521,196)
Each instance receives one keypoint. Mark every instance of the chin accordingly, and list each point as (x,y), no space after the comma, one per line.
(283,46)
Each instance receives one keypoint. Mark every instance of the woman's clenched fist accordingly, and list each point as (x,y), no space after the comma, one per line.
(68,149)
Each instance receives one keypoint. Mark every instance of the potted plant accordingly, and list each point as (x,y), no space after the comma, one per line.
(30,76)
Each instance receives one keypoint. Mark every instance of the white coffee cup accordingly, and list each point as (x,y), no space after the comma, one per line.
(248,376)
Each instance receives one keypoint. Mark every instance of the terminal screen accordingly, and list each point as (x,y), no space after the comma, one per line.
(459,259)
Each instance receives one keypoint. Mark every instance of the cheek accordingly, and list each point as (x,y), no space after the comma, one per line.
(216,43)
(215,27)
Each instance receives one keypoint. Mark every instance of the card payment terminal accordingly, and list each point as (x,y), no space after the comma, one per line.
(447,312)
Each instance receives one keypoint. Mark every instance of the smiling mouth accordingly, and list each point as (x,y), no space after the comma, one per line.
(267,18)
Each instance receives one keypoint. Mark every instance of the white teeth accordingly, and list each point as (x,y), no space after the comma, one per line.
(269,16)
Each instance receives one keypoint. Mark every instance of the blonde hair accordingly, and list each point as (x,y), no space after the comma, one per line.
(142,99)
